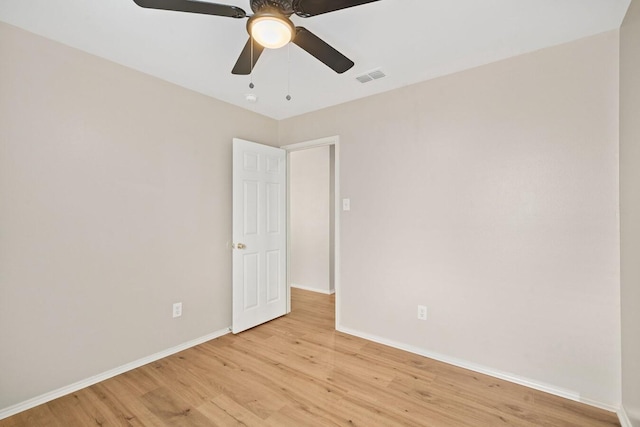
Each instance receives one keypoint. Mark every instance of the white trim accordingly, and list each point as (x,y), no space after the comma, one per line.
(547,388)
(288,254)
(308,288)
(624,418)
(47,397)
(329,140)
(335,141)
(597,404)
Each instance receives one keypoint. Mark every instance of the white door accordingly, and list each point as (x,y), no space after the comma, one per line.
(259,234)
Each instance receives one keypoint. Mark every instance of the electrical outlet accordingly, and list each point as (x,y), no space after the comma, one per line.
(422,312)
(177,309)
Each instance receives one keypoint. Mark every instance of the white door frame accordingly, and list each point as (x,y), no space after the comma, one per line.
(322,142)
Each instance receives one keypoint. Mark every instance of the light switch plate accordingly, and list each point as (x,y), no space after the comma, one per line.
(346,204)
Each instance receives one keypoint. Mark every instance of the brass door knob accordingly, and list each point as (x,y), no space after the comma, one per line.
(240,246)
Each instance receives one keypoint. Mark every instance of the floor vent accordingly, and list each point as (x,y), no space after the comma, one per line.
(373,75)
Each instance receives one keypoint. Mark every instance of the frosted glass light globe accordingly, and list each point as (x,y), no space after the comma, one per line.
(271,32)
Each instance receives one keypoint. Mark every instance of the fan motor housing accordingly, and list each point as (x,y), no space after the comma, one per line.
(282,6)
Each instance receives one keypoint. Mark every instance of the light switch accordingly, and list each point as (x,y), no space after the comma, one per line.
(346,204)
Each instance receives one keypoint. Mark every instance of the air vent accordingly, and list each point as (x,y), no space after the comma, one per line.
(372,75)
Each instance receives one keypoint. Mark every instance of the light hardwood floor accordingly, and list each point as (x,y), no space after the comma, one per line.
(298,371)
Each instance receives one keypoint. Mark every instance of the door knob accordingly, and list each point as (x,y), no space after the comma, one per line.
(240,246)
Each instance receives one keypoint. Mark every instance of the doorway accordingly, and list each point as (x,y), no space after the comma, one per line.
(313,218)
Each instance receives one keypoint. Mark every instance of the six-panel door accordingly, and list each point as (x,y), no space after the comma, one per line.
(259,234)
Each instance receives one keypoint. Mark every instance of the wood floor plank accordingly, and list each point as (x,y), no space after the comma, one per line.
(172,410)
(236,411)
(285,381)
(298,416)
(38,416)
(177,373)
(125,402)
(239,383)
(298,371)
(219,415)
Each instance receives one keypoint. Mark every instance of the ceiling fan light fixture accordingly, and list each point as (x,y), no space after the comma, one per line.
(271,30)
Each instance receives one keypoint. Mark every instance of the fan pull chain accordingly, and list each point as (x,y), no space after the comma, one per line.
(251,85)
(288,97)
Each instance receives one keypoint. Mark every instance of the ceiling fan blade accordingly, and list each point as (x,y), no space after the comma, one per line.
(193,6)
(322,51)
(243,64)
(306,8)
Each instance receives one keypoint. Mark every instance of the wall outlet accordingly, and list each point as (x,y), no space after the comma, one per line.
(177,309)
(422,312)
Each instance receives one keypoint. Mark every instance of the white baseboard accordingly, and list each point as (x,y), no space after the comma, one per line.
(624,418)
(547,388)
(597,404)
(307,288)
(47,397)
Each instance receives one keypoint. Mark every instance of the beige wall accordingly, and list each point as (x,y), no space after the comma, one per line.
(310,219)
(630,209)
(491,196)
(115,202)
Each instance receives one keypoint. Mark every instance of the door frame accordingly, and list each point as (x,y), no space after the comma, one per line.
(322,142)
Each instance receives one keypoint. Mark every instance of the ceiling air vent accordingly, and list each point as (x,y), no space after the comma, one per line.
(372,75)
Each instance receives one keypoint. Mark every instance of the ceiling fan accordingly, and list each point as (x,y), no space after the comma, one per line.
(270,26)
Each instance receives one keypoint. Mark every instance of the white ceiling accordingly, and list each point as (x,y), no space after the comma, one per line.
(410,40)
